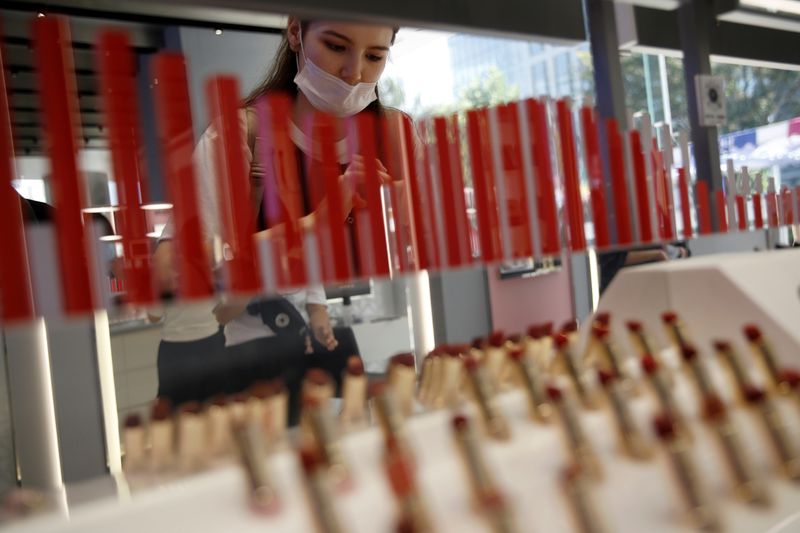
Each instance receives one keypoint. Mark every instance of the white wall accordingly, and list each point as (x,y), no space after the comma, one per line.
(246,55)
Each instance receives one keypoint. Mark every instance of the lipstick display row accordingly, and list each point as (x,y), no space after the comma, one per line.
(520,225)
(463,401)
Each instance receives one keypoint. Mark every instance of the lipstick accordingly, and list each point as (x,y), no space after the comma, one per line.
(600,320)
(699,372)
(253,456)
(399,467)
(785,448)
(495,357)
(493,420)
(389,415)
(631,438)
(191,437)
(747,484)
(134,443)
(430,394)
(578,491)
(219,426)
(638,337)
(701,511)
(567,360)
(425,379)
(319,432)
(485,493)
(531,378)
(452,375)
(354,394)
(268,406)
(539,343)
(611,360)
(736,367)
(765,356)
(318,385)
(318,491)
(643,345)
(403,379)
(674,329)
(162,435)
(790,378)
(580,447)
(663,390)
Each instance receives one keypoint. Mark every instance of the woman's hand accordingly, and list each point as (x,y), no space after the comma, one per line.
(320,324)
(351,182)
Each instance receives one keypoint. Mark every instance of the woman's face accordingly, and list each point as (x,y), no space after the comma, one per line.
(354,53)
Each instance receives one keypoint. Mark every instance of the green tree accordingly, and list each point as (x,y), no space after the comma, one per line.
(492,88)
(392,93)
(755,95)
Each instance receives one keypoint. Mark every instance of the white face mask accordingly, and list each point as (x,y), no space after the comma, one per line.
(331,94)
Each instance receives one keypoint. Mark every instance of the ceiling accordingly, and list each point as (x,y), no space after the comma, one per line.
(19,66)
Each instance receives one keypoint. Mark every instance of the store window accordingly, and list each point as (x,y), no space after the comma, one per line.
(438,72)
(763,111)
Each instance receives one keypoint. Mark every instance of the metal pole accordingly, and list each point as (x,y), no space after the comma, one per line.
(696,21)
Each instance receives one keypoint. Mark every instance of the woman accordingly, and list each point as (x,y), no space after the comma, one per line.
(331,67)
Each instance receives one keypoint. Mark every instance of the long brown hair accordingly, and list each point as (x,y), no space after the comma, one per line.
(280,76)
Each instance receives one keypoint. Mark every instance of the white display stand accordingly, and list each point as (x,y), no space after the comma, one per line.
(714,297)
(633,497)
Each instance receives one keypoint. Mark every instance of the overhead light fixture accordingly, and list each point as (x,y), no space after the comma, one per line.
(776,6)
(157,207)
(218,31)
(100,209)
(40,14)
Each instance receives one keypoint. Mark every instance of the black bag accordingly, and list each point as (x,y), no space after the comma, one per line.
(279,315)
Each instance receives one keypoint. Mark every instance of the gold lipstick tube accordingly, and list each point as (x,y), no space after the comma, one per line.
(253,456)
(580,447)
(319,493)
(643,345)
(237,407)
(663,390)
(631,438)
(162,435)
(219,426)
(485,493)
(674,329)
(191,437)
(354,394)
(593,350)
(425,380)
(577,489)
(452,376)
(267,406)
(403,379)
(701,510)
(318,385)
(389,416)
(320,433)
(735,366)
(639,338)
(413,516)
(699,372)
(567,360)
(134,442)
(766,357)
(747,483)
(495,358)
(785,448)
(530,377)
(493,420)
(612,360)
